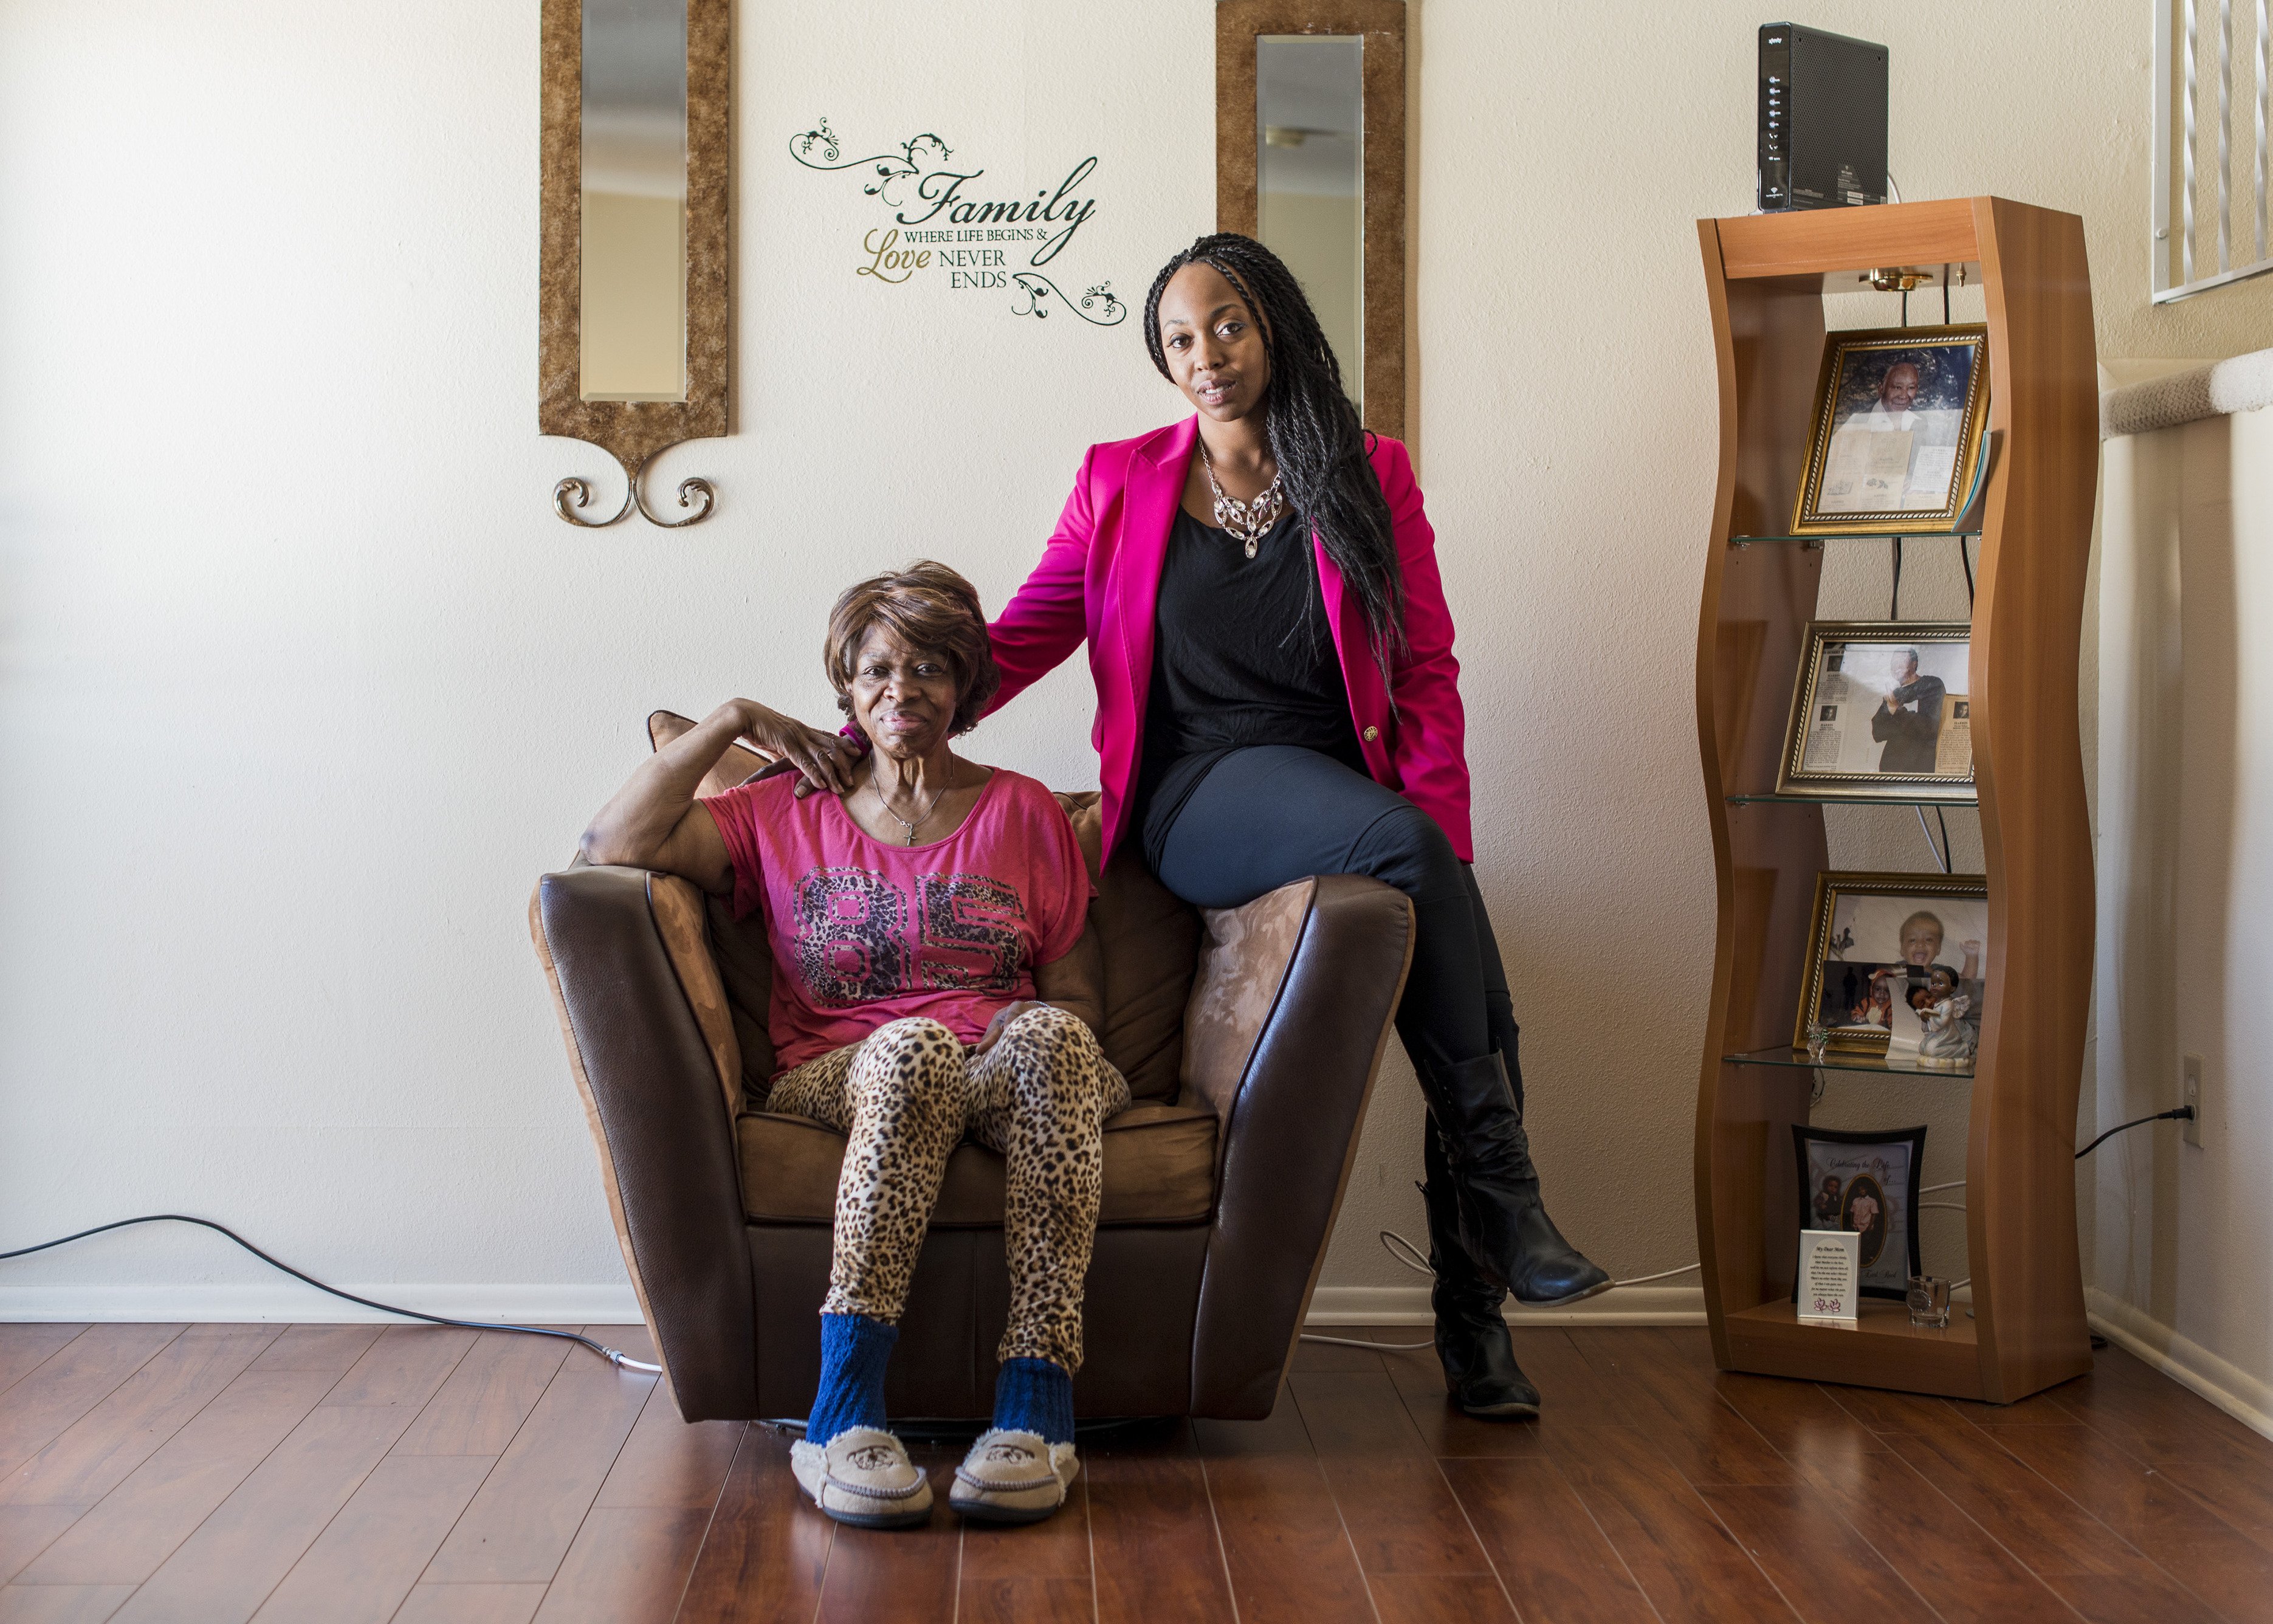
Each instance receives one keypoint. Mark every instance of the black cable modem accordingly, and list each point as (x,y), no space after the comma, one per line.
(1823,119)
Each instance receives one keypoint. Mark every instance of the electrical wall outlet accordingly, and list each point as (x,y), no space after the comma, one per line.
(2190,1093)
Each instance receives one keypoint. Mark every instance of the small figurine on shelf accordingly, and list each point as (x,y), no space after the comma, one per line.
(1948,1039)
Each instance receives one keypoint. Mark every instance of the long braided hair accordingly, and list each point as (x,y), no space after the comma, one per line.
(1315,436)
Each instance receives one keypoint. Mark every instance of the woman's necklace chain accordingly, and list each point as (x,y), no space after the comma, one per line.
(1247,522)
(928,810)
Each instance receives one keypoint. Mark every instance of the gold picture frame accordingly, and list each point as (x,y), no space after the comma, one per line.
(1866,725)
(1896,443)
(1867,927)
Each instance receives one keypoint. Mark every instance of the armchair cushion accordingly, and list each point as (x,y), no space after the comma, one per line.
(1159,1169)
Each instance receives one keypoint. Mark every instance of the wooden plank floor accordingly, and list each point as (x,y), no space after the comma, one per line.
(356,1475)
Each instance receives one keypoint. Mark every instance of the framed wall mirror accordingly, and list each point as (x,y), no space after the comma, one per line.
(1309,118)
(631,296)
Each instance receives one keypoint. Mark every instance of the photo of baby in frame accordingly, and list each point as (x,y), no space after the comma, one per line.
(1895,964)
(1880,712)
(1897,433)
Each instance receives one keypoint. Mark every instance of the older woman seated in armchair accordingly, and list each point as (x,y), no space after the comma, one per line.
(927,926)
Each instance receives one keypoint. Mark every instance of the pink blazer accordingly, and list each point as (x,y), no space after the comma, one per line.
(1100,579)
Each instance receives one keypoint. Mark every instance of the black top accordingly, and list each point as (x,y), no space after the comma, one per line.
(1242,655)
(1911,737)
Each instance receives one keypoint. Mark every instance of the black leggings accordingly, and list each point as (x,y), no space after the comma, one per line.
(1269,814)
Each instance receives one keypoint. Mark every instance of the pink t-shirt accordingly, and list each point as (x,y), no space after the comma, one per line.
(866,931)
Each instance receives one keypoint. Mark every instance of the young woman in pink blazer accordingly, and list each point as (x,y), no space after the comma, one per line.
(1277,697)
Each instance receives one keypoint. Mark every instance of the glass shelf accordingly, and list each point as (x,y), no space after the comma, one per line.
(1847,1060)
(1848,800)
(1814,541)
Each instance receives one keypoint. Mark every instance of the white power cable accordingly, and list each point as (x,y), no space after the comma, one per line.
(1405,1252)
(1413,1258)
(1643,1280)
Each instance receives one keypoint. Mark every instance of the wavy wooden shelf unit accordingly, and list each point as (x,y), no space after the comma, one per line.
(1766,276)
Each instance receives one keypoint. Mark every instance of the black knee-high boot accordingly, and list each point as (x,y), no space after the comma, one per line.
(1472,1340)
(1503,1218)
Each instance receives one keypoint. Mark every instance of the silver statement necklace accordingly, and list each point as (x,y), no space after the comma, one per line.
(928,810)
(1247,521)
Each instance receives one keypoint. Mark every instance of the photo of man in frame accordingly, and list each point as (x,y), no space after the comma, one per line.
(1909,722)
(1884,707)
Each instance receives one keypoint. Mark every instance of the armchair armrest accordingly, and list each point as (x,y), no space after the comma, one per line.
(651,1090)
(1283,1036)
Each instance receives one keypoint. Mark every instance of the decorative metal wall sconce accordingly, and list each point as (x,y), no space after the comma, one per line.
(631,296)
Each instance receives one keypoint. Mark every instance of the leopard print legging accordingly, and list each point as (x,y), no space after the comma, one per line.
(904,1097)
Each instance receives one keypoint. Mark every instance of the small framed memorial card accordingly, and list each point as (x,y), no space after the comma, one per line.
(1830,1274)
(1863,1183)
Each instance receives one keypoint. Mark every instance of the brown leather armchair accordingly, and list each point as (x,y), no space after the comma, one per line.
(1250,1038)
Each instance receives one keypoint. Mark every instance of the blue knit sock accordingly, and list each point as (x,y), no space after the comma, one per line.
(854,1350)
(1035,1396)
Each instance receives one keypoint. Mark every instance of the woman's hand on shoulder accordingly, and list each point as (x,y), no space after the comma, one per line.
(826,760)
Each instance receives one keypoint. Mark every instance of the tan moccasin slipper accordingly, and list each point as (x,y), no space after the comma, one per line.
(1012,1477)
(863,1476)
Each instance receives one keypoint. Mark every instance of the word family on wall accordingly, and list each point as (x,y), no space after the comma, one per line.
(943,231)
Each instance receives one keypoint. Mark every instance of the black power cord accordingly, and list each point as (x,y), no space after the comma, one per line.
(615,1356)
(623,1361)
(2185,1113)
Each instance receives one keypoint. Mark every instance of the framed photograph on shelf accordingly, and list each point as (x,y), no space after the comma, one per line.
(1880,712)
(1897,434)
(1864,1182)
(1894,965)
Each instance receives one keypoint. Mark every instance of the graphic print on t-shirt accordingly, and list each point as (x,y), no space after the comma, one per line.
(865,931)
(852,941)
(971,939)
(852,936)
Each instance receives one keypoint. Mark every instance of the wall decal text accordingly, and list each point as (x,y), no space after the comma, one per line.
(944,227)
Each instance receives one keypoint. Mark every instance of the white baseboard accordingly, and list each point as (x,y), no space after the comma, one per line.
(548,1305)
(1409,1305)
(2193,1366)
(615,1305)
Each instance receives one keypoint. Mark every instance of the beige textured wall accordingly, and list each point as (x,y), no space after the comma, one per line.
(302,683)
(1565,421)
(2185,807)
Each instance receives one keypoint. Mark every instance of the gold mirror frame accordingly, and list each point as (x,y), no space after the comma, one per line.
(1382,23)
(633,431)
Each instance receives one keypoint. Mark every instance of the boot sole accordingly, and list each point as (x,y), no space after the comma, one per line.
(1557,1302)
(1500,1412)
